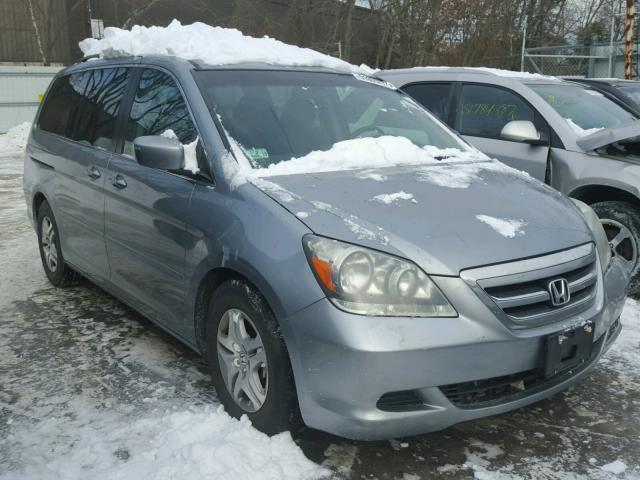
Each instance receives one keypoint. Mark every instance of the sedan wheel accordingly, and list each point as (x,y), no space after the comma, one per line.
(242,360)
(622,242)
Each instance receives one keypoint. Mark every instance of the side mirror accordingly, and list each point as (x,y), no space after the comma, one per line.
(159,152)
(522,131)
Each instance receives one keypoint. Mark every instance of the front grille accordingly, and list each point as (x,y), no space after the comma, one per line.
(520,290)
(400,401)
(497,390)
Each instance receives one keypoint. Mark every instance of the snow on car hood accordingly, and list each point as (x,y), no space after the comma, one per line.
(446,217)
(211,45)
(607,136)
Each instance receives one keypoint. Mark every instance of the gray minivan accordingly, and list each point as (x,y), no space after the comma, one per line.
(570,136)
(310,232)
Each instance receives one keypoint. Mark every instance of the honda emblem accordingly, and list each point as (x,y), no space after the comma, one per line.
(559,292)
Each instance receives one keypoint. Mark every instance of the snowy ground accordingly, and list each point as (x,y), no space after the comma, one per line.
(89,389)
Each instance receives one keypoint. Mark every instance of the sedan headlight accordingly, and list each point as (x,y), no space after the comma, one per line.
(602,242)
(366,282)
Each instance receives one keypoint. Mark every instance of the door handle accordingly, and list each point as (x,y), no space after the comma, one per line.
(93,172)
(119,182)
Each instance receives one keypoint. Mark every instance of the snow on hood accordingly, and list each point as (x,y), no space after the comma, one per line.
(211,45)
(443,228)
(15,140)
(365,153)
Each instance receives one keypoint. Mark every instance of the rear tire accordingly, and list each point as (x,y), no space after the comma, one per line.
(621,222)
(248,359)
(57,271)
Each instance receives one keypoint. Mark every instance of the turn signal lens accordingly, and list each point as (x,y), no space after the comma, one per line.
(324,271)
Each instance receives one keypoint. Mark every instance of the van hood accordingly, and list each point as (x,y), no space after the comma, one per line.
(626,133)
(444,217)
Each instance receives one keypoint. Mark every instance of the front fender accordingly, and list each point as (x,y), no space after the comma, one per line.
(248,233)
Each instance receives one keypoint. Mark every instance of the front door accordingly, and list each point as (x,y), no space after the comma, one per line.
(146,208)
(482,113)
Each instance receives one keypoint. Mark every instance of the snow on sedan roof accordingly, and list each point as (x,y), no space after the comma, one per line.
(491,71)
(211,45)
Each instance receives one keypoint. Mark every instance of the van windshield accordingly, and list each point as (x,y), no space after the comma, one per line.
(583,108)
(279,115)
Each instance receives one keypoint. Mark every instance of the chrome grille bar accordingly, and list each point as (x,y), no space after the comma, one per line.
(520,290)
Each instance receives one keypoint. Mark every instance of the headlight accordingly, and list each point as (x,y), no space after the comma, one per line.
(602,242)
(363,281)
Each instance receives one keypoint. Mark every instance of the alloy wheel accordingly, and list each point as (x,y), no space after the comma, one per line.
(47,239)
(242,360)
(621,242)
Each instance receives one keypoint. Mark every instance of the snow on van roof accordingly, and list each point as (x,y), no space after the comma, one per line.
(210,45)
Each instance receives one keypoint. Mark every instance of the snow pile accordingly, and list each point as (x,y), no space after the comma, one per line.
(508,228)
(202,443)
(389,198)
(190,157)
(210,45)
(616,467)
(369,152)
(581,131)
(15,140)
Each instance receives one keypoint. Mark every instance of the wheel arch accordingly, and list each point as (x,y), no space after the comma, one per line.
(591,194)
(211,280)
(38,199)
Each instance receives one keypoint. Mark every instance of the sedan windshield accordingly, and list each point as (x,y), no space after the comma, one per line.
(583,108)
(278,115)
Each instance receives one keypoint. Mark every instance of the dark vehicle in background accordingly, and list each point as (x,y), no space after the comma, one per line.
(624,92)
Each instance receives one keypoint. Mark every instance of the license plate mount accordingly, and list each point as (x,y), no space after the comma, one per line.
(568,349)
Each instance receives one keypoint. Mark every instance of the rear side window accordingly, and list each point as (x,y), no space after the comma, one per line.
(485,110)
(158,108)
(84,106)
(433,96)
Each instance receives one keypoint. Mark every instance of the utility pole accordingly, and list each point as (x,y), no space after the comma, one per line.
(611,46)
(524,44)
(628,36)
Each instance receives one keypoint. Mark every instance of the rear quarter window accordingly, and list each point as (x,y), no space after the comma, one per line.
(433,96)
(84,106)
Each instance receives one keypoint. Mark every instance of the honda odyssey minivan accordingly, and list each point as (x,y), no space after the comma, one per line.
(338,255)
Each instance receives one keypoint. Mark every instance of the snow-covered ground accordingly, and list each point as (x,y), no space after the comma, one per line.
(89,389)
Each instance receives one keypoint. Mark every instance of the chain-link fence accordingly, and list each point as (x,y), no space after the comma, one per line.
(592,61)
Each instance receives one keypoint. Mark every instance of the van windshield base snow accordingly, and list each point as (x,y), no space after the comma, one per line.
(278,115)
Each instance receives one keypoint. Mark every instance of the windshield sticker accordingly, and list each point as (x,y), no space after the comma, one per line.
(375,81)
(258,154)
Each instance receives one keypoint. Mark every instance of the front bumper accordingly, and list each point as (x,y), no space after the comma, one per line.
(343,364)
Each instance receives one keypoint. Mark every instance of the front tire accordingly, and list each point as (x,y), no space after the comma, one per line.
(57,271)
(248,359)
(621,222)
